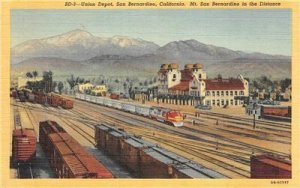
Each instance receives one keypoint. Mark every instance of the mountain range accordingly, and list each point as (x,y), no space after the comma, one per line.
(82,53)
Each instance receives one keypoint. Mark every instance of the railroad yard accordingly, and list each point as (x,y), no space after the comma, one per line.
(220,142)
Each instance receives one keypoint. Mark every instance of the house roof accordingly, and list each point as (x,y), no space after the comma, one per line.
(186,77)
(224,84)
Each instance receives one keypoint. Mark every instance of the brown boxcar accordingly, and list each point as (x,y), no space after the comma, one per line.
(283,111)
(40,98)
(31,97)
(23,145)
(114,96)
(14,94)
(109,141)
(67,104)
(66,156)
(269,167)
(70,160)
(55,100)
(145,159)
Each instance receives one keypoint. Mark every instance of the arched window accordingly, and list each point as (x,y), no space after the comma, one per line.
(200,76)
(208,93)
(174,76)
(241,92)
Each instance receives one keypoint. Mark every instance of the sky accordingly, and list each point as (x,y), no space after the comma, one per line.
(265,31)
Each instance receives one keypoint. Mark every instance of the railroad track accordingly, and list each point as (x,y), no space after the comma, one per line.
(241,172)
(233,119)
(213,149)
(90,138)
(256,134)
(173,130)
(24,171)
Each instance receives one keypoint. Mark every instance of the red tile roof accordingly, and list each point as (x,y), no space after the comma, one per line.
(224,84)
(186,77)
(182,86)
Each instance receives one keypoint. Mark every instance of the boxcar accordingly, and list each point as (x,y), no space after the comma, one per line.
(40,98)
(114,96)
(269,167)
(66,156)
(67,104)
(23,145)
(14,94)
(108,139)
(145,159)
(276,111)
(130,154)
(55,100)
(31,97)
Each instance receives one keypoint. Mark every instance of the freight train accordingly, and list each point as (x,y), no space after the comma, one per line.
(144,159)
(166,115)
(66,156)
(52,99)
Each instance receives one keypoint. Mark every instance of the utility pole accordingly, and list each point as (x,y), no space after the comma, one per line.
(254,112)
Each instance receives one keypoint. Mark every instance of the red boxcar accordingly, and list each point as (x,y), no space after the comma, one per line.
(114,96)
(283,111)
(55,100)
(24,145)
(66,156)
(67,104)
(14,94)
(269,167)
(40,98)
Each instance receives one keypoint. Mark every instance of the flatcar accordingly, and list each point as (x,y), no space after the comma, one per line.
(166,115)
(66,156)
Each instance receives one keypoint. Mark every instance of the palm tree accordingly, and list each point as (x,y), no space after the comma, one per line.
(29,75)
(47,77)
(60,87)
(35,74)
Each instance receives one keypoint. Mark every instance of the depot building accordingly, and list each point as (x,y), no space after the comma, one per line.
(190,86)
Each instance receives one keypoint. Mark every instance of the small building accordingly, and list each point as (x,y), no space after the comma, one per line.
(287,96)
(22,81)
(84,87)
(99,90)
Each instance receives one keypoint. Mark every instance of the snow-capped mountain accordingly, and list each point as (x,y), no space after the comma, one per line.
(80,45)
(83,53)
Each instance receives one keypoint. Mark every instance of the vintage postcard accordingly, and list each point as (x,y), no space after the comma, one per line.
(150,93)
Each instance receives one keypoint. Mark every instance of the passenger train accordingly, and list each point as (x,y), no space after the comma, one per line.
(166,115)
